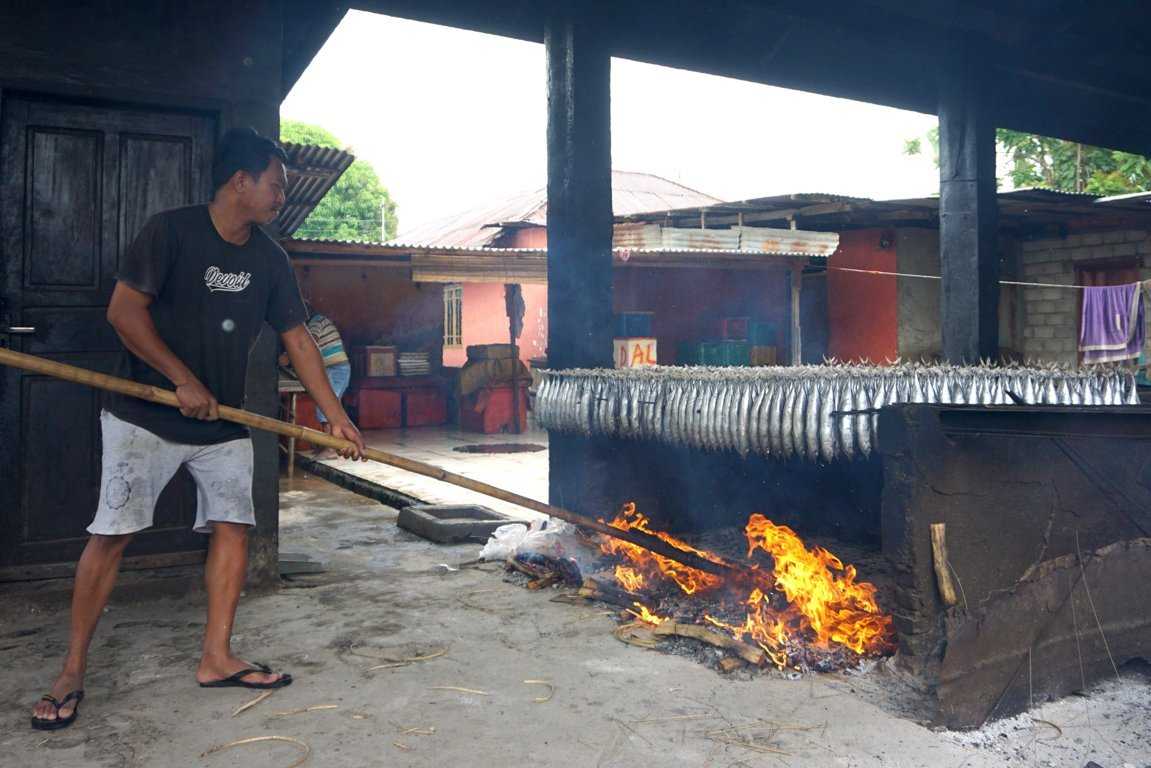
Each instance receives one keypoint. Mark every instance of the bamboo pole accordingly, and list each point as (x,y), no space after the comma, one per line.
(34,364)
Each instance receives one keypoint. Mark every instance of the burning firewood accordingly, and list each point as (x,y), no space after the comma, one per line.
(749,653)
(546,581)
(729,664)
(607,593)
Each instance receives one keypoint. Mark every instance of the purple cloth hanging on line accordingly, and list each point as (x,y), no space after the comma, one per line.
(1113,325)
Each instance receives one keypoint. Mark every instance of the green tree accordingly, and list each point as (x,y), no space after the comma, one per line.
(1067,166)
(357,207)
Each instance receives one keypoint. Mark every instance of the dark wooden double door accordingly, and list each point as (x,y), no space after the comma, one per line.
(77,181)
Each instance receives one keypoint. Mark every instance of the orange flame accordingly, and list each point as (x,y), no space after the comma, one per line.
(824,591)
(646,616)
(652,566)
(629,578)
(825,605)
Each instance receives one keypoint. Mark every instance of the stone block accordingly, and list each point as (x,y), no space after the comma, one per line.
(1114,236)
(1044,253)
(1045,269)
(1092,238)
(1032,246)
(450,523)
(1043,307)
(1126,249)
(1044,332)
(1057,270)
(1136,235)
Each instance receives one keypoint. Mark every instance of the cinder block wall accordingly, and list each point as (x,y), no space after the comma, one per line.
(1051,315)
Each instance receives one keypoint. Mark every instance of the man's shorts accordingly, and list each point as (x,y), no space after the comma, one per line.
(137,465)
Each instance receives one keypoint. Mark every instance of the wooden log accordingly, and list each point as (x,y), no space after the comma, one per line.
(729,664)
(607,593)
(717,566)
(749,653)
(939,560)
(545,581)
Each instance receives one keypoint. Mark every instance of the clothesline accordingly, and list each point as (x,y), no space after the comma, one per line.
(938,277)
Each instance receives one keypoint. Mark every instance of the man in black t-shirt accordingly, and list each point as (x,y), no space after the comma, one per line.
(192,294)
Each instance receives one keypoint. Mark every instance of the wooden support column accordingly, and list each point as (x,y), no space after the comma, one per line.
(579,194)
(796,327)
(579,238)
(968,215)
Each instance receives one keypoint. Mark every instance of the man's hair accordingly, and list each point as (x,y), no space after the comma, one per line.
(243,149)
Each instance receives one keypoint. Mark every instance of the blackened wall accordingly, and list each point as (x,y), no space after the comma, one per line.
(1014,487)
(219,58)
(684,489)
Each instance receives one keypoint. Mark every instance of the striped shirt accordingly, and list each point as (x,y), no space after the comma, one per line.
(327,339)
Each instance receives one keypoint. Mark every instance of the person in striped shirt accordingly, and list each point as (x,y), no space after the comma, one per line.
(336,364)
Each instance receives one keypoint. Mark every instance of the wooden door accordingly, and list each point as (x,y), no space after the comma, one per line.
(77,182)
(1106,272)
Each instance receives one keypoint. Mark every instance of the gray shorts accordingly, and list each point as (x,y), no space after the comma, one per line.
(137,465)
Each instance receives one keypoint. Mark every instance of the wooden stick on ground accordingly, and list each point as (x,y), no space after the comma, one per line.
(718,566)
(607,593)
(749,653)
(939,561)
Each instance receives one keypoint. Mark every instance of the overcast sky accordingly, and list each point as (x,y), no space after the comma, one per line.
(453,119)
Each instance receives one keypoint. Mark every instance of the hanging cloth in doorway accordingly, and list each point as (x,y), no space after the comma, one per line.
(1113,324)
(515,307)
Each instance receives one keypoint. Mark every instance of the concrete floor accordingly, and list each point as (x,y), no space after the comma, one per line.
(384,595)
(523,473)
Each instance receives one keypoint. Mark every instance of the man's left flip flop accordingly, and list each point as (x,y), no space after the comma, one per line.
(237,680)
(41,724)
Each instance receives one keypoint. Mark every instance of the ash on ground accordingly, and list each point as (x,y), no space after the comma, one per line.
(1067,732)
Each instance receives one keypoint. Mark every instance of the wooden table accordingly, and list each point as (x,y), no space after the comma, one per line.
(291,387)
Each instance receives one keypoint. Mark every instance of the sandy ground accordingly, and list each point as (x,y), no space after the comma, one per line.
(384,595)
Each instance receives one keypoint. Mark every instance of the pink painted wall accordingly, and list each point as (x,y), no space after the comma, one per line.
(485,321)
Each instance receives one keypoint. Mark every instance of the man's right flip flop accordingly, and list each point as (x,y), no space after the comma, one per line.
(42,724)
(237,680)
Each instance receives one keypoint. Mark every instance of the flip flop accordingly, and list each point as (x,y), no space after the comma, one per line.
(236,680)
(42,724)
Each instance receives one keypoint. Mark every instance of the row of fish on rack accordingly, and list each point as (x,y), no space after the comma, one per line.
(814,412)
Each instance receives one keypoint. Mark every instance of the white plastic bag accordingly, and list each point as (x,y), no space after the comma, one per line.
(545,536)
(503,542)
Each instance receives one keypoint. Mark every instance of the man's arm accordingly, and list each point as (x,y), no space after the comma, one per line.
(309,367)
(128,313)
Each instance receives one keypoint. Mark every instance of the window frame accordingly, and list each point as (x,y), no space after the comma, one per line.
(453,315)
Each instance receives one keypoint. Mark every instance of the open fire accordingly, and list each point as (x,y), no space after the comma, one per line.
(802,606)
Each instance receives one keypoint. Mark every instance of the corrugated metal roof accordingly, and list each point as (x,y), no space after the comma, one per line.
(827,212)
(1130,197)
(447,264)
(791,201)
(312,171)
(632,193)
(792,244)
(656,238)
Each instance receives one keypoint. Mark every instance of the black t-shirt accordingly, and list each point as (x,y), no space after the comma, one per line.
(211,299)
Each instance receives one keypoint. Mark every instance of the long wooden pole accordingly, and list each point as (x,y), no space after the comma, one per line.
(718,566)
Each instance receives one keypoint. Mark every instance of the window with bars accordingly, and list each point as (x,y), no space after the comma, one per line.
(453,315)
